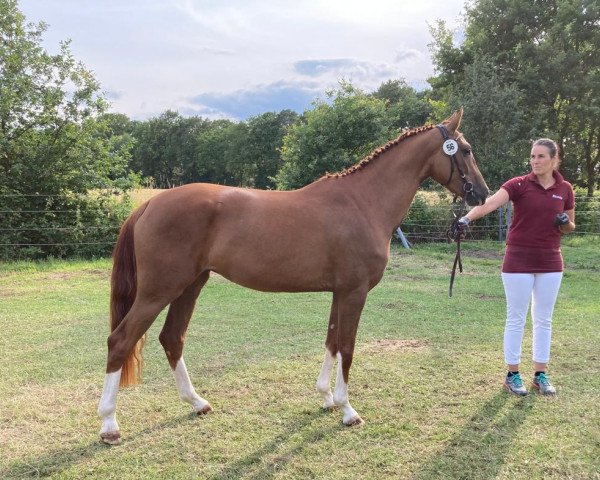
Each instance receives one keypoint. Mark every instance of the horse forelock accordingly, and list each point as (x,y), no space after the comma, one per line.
(378,152)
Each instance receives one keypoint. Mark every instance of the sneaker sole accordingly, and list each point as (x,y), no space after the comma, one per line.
(508,389)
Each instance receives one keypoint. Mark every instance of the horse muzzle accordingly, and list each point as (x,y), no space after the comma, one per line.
(475,198)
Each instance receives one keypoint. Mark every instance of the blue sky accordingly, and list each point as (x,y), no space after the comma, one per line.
(234,59)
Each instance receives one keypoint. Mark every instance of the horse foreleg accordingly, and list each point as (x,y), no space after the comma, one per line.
(324,380)
(172,338)
(349,309)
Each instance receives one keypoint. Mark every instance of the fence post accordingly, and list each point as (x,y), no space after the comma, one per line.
(403,239)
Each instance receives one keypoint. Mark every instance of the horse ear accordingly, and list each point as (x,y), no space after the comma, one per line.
(453,122)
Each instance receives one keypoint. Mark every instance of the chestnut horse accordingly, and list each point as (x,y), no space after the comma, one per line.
(332,235)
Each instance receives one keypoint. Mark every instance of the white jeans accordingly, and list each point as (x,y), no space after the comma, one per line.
(542,290)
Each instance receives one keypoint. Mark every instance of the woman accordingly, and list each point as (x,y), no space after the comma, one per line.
(532,269)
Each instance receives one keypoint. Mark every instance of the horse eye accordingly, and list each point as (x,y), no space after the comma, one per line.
(467,151)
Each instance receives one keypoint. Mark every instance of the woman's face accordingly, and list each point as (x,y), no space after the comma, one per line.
(541,161)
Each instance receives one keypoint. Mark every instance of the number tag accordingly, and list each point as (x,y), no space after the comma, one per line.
(450,147)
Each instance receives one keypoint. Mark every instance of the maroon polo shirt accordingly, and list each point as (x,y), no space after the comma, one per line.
(533,243)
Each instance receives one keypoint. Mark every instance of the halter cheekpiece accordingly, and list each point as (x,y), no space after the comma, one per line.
(450,147)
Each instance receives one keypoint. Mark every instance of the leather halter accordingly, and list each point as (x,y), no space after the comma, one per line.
(467,185)
(454,232)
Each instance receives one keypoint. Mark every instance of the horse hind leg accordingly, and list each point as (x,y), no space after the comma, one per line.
(120,343)
(324,380)
(172,338)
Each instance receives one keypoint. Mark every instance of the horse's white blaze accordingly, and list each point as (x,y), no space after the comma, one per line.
(340,397)
(324,380)
(108,402)
(185,387)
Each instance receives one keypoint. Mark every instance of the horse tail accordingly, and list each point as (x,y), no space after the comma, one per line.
(123,291)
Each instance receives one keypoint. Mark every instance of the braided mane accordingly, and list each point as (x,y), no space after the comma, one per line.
(377,152)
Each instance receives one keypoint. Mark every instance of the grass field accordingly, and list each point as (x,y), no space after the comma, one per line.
(426,379)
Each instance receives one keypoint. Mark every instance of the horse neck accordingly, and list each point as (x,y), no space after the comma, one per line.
(386,187)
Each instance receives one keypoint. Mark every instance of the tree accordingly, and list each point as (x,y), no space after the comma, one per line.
(493,122)
(333,136)
(53,146)
(218,148)
(406,107)
(546,51)
(117,129)
(166,148)
(265,140)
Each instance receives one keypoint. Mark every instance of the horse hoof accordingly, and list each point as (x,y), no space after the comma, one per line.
(111,438)
(204,410)
(354,422)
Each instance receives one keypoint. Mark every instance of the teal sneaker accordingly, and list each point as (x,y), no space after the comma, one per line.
(514,385)
(543,385)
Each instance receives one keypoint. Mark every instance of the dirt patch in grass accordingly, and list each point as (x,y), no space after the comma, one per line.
(69,275)
(395,305)
(99,273)
(483,296)
(62,275)
(403,277)
(395,345)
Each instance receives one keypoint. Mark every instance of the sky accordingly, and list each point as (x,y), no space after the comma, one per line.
(236,59)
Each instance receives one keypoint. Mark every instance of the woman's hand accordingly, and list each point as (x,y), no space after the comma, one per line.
(561,219)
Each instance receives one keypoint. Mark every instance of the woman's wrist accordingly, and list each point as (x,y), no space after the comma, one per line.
(567,227)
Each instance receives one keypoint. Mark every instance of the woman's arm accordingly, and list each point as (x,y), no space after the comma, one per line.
(494,202)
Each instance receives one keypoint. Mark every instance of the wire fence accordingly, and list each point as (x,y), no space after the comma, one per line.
(38,225)
(428,222)
(45,225)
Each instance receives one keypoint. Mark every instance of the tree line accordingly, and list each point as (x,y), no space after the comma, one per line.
(523,70)
(272,150)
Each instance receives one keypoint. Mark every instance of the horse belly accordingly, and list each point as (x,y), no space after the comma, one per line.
(275,263)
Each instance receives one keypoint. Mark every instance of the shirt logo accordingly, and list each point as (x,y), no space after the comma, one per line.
(557,196)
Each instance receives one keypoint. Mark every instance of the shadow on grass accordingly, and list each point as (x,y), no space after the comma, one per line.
(479,450)
(269,460)
(61,459)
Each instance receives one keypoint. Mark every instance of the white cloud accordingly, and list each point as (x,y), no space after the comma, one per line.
(159,54)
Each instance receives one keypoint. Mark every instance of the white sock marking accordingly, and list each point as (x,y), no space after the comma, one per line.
(185,387)
(324,380)
(108,402)
(340,396)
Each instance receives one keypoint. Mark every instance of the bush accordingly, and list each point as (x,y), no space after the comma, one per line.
(64,225)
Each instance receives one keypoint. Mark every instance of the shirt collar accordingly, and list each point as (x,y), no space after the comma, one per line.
(555,173)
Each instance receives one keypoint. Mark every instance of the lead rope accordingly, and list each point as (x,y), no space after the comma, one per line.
(455,234)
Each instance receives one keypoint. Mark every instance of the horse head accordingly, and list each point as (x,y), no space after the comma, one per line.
(454,166)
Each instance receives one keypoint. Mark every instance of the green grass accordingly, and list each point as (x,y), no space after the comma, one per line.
(426,379)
